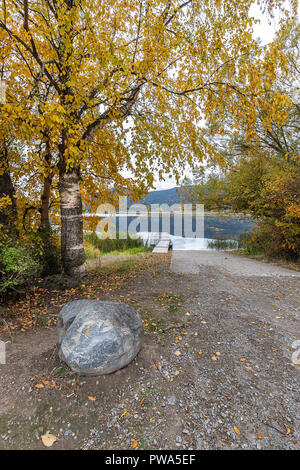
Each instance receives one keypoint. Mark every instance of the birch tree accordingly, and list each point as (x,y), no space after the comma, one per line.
(148,71)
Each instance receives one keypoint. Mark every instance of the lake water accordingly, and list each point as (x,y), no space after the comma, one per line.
(215,227)
(186,243)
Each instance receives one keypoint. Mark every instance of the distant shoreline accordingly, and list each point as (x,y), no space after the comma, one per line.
(136,214)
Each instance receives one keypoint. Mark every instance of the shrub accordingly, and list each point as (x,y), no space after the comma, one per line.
(24,260)
(45,247)
(271,239)
(18,268)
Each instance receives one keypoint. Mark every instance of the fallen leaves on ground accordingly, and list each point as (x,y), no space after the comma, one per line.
(134,444)
(39,386)
(48,439)
(40,307)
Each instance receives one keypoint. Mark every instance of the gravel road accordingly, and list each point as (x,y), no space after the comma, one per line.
(218,369)
(191,261)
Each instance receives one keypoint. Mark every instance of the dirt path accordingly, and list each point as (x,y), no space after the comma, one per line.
(215,372)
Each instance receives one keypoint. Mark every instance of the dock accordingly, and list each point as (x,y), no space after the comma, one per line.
(163,242)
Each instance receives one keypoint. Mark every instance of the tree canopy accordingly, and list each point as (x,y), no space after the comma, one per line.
(99,87)
(262,174)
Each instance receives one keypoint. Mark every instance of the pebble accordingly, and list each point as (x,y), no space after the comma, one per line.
(172,400)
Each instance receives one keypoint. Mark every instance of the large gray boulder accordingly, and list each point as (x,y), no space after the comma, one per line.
(98,337)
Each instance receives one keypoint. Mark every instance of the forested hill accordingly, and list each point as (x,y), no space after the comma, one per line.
(165,196)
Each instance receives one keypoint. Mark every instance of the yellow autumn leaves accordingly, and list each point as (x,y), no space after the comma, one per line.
(98,71)
(48,439)
(128,91)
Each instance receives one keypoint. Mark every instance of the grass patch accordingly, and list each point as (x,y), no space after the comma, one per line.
(151,324)
(59,371)
(95,248)
(92,241)
(170,301)
(91,252)
(119,268)
(221,244)
(130,251)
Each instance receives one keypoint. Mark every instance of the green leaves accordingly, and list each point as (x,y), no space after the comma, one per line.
(59,371)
